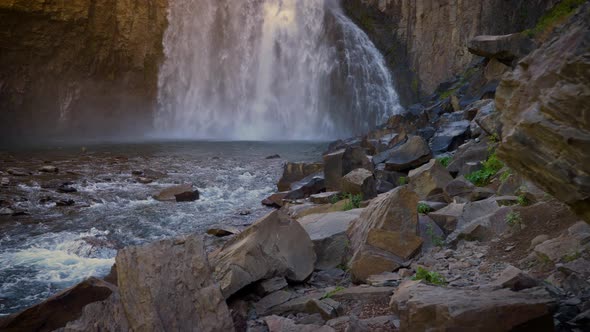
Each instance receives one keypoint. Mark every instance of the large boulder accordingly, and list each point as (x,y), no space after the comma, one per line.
(304,188)
(505,48)
(430,179)
(544,111)
(328,234)
(179,193)
(423,307)
(274,246)
(385,235)
(59,309)
(411,154)
(360,181)
(339,163)
(168,285)
(293,172)
(450,135)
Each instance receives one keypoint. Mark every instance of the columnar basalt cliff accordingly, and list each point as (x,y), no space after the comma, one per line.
(425,41)
(78,65)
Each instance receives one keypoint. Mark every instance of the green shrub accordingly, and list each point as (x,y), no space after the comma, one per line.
(353,201)
(430,277)
(490,168)
(332,292)
(445,161)
(555,16)
(571,257)
(402,181)
(436,240)
(505,176)
(513,219)
(335,199)
(522,200)
(423,208)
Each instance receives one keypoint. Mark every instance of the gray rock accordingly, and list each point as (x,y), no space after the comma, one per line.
(360,181)
(411,154)
(505,48)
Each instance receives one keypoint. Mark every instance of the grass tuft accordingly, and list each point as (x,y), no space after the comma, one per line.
(434,278)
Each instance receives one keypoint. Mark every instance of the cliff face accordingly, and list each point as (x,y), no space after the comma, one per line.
(546,118)
(78,65)
(430,36)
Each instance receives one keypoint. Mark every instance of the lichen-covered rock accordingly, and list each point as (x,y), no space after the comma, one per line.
(385,234)
(274,246)
(544,112)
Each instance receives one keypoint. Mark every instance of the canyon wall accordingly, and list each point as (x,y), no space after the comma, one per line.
(425,41)
(79,66)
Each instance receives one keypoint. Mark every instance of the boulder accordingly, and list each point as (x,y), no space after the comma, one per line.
(505,48)
(515,279)
(339,163)
(360,181)
(411,154)
(483,228)
(430,179)
(274,246)
(187,196)
(468,156)
(275,200)
(423,307)
(58,310)
(431,234)
(223,231)
(48,169)
(306,187)
(183,191)
(107,315)
(328,234)
(293,172)
(460,187)
(567,246)
(325,198)
(447,218)
(168,285)
(543,105)
(267,286)
(385,234)
(449,136)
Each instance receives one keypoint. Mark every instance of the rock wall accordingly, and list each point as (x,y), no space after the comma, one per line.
(546,118)
(85,66)
(425,41)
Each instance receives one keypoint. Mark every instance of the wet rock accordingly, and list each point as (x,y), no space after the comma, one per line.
(187,196)
(223,231)
(48,169)
(144,180)
(385,234)
(274,246)
(430,179)
(65,202)
(274,156)
(5,211)
(275,200)
(342,162)
(17,172)
(325,198)
(169,194)
(450,136)
(59,309)
(422,307)
(137,173)
(543,112)
(328,234)
(293,172)
(359,181)
(176,272)
(505,48)
(4,182)
(411,154)
(66,188)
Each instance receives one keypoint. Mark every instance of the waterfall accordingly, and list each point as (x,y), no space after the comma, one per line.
(269,69)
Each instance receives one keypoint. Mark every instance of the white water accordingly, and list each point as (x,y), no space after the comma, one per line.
(269,69)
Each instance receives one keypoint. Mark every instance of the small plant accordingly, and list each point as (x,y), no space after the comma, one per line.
(436,240)
(505,176)
(402,181)
(423,208)
(522,200)
(353,202)
(335,199)
(445,161)
(513,219)
(571,257)
(490,168)
(494,138)
(557,15)
(331,293)
(434,278)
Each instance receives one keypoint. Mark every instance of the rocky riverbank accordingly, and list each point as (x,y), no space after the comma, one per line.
(469,212)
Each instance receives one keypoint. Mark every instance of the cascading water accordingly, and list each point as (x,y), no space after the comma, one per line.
(269,69)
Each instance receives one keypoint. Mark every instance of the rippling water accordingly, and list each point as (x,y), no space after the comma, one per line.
(52,247)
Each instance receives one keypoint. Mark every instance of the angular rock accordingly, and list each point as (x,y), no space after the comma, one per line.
(515,279)
(187,196)
(543,105)
(306,187)
(393,214)
(447,218)
(272,300)
(223,231)
(107,315)
(566,246)
(385,279)
(168,285)
(327,308)
(460,187)
(467,157)
(449,136)
(483,228)
(293,172)
(342,162)
(275,200)
(268,286)
(422,307)
(364,293)
(325,198)
(505,48)
(328,234)
(430,179)
(169,194)
(274,246)
(411,154)
(360,181)
(59,309)
(431,234)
